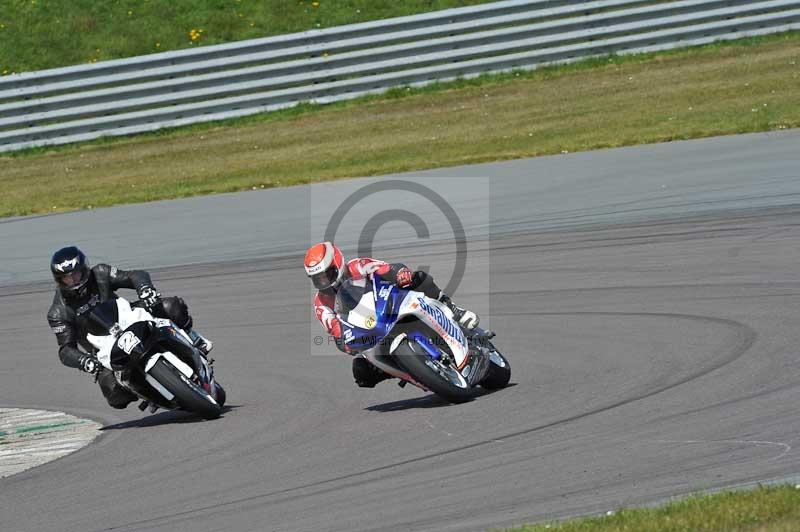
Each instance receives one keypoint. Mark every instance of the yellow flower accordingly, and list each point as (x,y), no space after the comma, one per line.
(315,4)
(158,45)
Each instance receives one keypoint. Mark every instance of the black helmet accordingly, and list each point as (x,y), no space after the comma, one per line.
(70,270)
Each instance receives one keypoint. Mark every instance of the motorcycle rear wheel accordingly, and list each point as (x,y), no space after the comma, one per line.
(445,382)
(189,396)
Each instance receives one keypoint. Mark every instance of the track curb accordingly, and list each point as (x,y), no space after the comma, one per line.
(32,437)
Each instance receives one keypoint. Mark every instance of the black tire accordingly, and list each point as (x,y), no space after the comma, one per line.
(497,376)
(412,358)
(221,395)
(189,396)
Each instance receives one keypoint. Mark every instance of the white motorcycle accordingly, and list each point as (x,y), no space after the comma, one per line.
(415,338)
(154,358)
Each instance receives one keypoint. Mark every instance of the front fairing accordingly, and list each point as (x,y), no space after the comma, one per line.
(108,321)
(375,307)
(371,314)
(134,334)
(133,344)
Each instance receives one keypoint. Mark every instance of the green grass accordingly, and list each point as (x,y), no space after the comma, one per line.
(729,88)
(766,509)
(39,34)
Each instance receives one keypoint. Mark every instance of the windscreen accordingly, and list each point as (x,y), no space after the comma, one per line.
(350,294)
(102,317)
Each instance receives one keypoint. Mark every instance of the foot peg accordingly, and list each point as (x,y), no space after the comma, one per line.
(145,404)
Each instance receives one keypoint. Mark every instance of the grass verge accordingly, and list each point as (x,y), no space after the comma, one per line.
(38,34)
(766,509)
(728,88)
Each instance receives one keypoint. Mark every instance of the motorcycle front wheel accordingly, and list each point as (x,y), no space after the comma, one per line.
(189,396)
(499,371)
(441,379)
(221,395)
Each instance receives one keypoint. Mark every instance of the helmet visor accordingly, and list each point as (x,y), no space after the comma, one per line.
(73,279)
(326,279)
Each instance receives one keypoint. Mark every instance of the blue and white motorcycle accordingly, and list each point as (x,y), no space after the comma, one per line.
(415,338)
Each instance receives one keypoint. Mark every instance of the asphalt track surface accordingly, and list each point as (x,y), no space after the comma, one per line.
(648,299)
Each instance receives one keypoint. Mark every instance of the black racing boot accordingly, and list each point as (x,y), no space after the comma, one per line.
(466,318)
(116,394)
(367,375)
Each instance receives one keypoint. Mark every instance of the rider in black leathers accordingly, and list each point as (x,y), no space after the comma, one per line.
(80,288)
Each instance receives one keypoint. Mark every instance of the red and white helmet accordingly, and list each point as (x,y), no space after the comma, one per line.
(324,263)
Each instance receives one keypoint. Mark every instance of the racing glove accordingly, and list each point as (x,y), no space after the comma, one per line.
(149,296)
(335,330)
(89,364)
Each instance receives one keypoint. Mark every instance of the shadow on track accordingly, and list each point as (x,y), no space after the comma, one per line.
(428,401)
(165,418)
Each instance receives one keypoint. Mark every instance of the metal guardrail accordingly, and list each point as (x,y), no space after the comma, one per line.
(146,93)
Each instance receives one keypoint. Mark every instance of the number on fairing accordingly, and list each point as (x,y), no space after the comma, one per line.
(128,341)
(385,291)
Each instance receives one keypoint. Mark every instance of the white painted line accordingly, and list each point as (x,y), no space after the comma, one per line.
(786,448)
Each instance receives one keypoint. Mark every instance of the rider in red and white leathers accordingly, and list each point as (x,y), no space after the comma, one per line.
(324,264)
